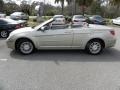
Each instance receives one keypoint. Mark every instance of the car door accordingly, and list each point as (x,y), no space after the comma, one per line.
(55,38)
(81,36)
(3,25)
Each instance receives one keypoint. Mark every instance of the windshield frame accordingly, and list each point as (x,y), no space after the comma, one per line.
(44,23)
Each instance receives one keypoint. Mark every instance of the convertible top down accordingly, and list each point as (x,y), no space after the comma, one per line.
(92,38)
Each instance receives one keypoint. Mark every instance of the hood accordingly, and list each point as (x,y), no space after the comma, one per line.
(22,30)
(21,21)
(1,13)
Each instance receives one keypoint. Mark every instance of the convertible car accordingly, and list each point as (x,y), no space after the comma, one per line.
(91,38)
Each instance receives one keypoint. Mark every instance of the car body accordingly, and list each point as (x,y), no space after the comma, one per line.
(2,15)
(23,23)
(19,16)
(116,21)
(59,19)
(8,25)
(45,36)
(97,19)
(79,19)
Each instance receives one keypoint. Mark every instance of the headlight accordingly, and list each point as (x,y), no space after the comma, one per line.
(11,38)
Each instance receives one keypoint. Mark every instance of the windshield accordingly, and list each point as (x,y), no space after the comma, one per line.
(58,16)
(10,21)
(42,24)
(17,13)
(98,17)
(80,16)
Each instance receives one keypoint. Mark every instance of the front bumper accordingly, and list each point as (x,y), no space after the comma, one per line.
(10,44)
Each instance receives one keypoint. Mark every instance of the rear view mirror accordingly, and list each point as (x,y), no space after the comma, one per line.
(43,28)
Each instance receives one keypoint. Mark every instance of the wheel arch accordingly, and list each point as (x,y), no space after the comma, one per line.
(99,39)
(23,38)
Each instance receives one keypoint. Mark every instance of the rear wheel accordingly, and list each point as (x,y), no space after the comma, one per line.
(4,34)
(94,47)
(25,47)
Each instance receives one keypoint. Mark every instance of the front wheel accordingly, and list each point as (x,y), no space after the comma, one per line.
(94,47)
(25,47)
(4,34)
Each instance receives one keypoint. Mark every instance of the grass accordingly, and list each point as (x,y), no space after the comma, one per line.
(109,23)
(32,24)
(33,20)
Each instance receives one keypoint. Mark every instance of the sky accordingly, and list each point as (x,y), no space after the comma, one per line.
(46,1)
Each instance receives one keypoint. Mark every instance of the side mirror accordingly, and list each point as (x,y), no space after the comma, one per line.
(43,28)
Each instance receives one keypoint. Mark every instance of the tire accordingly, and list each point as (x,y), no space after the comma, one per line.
(25,46)
(4,34)
(94,47)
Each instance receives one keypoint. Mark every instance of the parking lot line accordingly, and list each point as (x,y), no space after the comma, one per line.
(3,59)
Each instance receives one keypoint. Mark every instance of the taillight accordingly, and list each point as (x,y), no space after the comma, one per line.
(22,25)
(17,26)
(112,32)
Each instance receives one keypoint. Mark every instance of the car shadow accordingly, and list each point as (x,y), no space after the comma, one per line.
(108,55)
(2,38)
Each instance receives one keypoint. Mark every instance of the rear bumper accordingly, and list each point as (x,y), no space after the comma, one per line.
(110,43)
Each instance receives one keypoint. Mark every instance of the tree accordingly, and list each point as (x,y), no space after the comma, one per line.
(1,5)
(96,7)
(62,4)
(25,7)
(115,2)
(69,7)
(83,4)
(11,7)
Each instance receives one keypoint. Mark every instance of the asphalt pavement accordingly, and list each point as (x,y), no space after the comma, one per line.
(60,70)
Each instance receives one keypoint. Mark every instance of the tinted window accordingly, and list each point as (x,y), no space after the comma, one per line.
(80,16)
(1,13)
(98,17)
(2,22)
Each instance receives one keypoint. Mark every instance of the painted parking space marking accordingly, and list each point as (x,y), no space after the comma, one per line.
(3,59)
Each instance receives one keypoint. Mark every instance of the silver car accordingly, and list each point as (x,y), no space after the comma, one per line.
(2,15)
(59,19)
(19,16)
(92,38)
(116,21)
(79,20)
